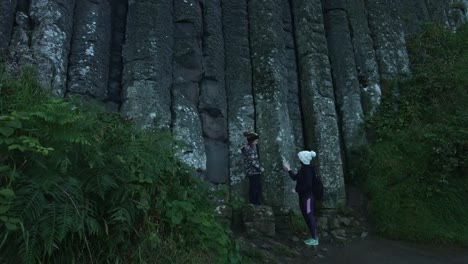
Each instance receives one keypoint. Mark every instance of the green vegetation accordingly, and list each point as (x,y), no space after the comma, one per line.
(80,185)
(416,166)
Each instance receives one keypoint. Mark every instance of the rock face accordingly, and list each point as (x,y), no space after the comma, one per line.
(301,73)
(389,38)
(213,105)
(7,18)
(238,77)
(147,60)
(271,93)
(318,101)
(50,41)
(345,76)
(187,75)
(364,54)
(88,68)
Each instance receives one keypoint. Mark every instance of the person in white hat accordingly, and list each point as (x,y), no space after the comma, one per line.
(304,187)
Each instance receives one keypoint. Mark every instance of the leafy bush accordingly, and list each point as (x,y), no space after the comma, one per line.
(416,166)
(80,185)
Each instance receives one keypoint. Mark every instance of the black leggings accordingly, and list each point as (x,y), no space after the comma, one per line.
(306,203)
(255,189)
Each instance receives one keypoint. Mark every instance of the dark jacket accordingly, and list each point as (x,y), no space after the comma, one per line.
(304,179)
(251,163)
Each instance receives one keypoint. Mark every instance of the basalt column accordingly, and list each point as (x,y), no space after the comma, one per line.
(88,68)
(119,18)
(345,78)
(50,42)
(364,54)
(238,72)
(271,96)
(414,15)
(7,17)
(294,107)
(147,60)
(187,77)
(19,49)
(317,98)
(213,105)
(389,38)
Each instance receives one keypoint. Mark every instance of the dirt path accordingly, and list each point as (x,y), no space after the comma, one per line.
(374,250)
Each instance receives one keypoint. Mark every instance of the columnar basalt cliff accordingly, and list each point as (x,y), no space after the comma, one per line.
(302,73)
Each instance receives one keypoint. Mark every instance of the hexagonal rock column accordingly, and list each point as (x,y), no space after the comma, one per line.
(345,77)
(271,96)
(50,41)
(88,68)
(364,54)
(389,38)
(7,17)
(213,104)
(318,101)
(238,74)
(187,75)
(147,60)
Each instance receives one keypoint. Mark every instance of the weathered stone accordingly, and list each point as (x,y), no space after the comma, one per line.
(50,42)
(258,214)
(364,235)
(317,99)
(271,96)
(438,11)
(345,221)
(7,18)
(294,105)
(119,18)
(238,74)
(217,161)
(255,229)
(147,58)
(389,38)
(339,234)
(187,74)
(293,99)
(88,68)
(345,77)
(364,54)
(322,223)
(414,15)
(20,53)
(457,13)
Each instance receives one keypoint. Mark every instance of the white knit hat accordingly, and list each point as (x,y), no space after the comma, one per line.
(306,156)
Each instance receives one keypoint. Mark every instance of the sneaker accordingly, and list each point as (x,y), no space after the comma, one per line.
(311,242)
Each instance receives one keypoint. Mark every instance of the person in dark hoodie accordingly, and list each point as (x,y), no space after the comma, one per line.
(252,167)
(304,187)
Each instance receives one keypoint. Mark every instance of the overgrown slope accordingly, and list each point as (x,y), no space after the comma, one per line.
(416,167)
(80,185)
